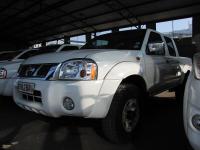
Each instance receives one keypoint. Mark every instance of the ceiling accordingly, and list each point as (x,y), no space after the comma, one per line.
(43,20)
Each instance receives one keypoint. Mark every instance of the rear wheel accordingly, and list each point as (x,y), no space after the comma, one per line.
(179,91)
(124,114)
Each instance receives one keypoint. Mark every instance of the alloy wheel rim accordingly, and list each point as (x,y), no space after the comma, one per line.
(130,115)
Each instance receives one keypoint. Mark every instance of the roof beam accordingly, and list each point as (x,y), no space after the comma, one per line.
(73,17)
(67,14)
(92,16)
(110,7)
(21,11)
(130,12)
(68,23)
(10,4)
(37,14)
(115,20)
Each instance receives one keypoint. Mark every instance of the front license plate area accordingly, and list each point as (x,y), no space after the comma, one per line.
(26,87)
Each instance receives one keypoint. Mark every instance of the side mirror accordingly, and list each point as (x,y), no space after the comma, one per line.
(156,48)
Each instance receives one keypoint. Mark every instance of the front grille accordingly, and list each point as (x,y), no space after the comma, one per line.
(35,97)
(37,70)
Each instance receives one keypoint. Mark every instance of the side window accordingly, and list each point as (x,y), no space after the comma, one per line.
(155,45)
(170,46)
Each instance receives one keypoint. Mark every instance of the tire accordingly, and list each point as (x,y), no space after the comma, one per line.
(124,107)
(179,91)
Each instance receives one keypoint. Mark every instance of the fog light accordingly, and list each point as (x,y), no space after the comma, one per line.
(196,121)
(68,103)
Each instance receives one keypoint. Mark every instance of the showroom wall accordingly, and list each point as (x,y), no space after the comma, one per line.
(186,47)
(10,45)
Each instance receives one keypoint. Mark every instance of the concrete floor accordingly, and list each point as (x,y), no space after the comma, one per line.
(161,128)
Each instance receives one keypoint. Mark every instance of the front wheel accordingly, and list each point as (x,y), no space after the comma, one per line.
(124,114)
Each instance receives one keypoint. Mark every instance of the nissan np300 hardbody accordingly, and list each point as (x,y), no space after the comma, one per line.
(106,79)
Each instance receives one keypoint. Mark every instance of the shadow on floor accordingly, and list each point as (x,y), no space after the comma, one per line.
(161,128)
(12,120)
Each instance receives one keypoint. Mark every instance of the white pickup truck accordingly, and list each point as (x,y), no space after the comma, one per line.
(108,79)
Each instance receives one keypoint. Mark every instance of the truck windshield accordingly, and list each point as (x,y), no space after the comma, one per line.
(9,55)
(127,40)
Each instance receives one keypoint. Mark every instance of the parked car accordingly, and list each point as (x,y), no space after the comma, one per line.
(107,79)
(10,62)
(4,52)
(192,105)
(9,65)
(5,56)
(67,47)
(1,52)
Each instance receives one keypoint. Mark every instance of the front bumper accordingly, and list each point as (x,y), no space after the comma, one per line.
(6,87)
(192,108)
(91,101)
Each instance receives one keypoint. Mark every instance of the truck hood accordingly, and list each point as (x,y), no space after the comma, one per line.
(104,58)
(59,57)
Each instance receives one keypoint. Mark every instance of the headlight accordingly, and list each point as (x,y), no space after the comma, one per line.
(78,69)
(3,73)
(196,64)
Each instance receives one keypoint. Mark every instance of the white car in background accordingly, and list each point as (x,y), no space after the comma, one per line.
(12,60)
(67,47)
(4,55)
(192,105)
(3,52)
(9,64)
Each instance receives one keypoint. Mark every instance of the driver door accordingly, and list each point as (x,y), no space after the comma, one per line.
(156,63)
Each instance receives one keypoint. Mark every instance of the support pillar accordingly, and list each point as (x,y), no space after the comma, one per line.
(43,44)
(151,26)
(115,30)
(88,37)
(66,40)
(196,31)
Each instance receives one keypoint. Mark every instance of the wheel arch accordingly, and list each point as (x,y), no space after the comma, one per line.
(109,89)
(136,80)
